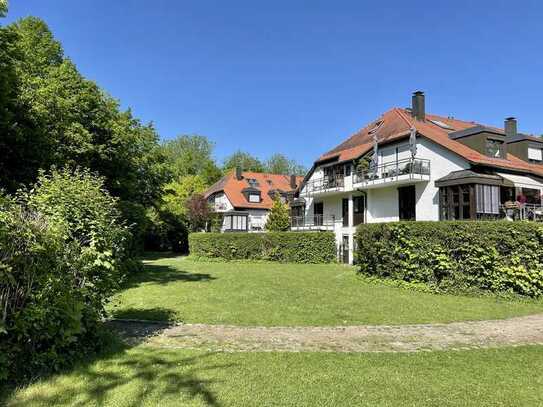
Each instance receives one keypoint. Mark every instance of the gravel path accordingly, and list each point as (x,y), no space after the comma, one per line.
(399,338)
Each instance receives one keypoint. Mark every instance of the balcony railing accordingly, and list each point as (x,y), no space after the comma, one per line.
(319,222)
(409,168)
(332,183)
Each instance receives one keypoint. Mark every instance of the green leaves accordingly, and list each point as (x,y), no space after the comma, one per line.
(286,247)
(456,256)
(278,218)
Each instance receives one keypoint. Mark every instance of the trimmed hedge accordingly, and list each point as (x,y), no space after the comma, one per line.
(497,256)
(292,247)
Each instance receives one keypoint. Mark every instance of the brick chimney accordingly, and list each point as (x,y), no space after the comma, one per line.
(510,127)
(417,106)
(293,181)
(239,175)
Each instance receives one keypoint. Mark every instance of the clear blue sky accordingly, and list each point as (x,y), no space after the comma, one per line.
(298,77)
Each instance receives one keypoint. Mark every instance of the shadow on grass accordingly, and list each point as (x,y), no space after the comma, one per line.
(135,376)
(151,256)
(160,274)
(151,314)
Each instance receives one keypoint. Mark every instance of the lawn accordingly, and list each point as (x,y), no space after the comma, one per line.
(269,294)
(166,377)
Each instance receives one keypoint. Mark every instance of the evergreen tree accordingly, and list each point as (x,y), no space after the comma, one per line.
(278,219)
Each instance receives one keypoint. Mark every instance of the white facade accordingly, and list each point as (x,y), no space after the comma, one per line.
(380,192)
(256,218)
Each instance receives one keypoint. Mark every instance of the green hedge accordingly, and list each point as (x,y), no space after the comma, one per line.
(456,256)
(294,247)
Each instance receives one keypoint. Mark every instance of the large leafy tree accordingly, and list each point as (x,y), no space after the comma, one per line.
(69,120)
(280,164)
(191,155)
(246,161)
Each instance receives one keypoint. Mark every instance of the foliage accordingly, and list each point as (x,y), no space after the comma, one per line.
(62,251)
(278,217)
(295,247)
(199,212)
(191,156)
(280,164)
(177,193)
(456,256)
(3,8)
(50,115)
(244,160)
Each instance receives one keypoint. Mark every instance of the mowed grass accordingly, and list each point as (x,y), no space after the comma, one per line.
(269,294)
(144,376)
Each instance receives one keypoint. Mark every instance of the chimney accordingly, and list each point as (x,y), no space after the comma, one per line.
(293,181)
(510,127)
(417,105)
(239,176)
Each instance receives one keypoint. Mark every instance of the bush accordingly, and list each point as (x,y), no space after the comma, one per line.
(456,256)
(294,247)
(62,254)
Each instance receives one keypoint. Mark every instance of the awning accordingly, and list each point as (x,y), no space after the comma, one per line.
(521,180)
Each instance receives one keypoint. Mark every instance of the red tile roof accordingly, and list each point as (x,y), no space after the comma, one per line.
(397,123)
(266,182)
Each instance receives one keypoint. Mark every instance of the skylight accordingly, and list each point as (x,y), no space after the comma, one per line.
(442,124)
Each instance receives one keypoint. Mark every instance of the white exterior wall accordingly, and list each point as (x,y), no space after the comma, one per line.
(442,162)
(222,203)
(382,201)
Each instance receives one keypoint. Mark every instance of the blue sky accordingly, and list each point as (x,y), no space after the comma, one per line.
(298,77)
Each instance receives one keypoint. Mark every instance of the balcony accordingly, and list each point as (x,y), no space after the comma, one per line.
(324,185)
(315,222)
(395,172)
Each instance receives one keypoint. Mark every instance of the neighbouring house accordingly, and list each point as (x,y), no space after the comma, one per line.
(245,198)
(411,165)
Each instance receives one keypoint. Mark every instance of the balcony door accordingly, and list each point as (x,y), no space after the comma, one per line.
(407,201)
(359,210)
(318,211)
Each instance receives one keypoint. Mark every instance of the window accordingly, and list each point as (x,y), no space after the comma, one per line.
(456,202)
(235,222)
(254,198)
(488,199)
(494,148)
(535,154)
(347,170)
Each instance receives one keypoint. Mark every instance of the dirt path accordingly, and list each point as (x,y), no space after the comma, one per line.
(401,338)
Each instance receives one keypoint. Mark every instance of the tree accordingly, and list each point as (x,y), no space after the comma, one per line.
(280,164)
(278,218)
(199,212)
(176,194)
(244,160)
(191,155)
(3,8)
(50,115)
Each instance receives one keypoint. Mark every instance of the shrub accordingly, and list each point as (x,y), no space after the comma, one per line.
(62,254)
(316,247)
(456,256)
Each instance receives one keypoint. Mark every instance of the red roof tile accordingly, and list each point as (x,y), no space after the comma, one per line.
(266,182)
(397,124)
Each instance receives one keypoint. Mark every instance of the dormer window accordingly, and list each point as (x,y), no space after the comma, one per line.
(255,198)
(494,148)
(535,154)
(252,194)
